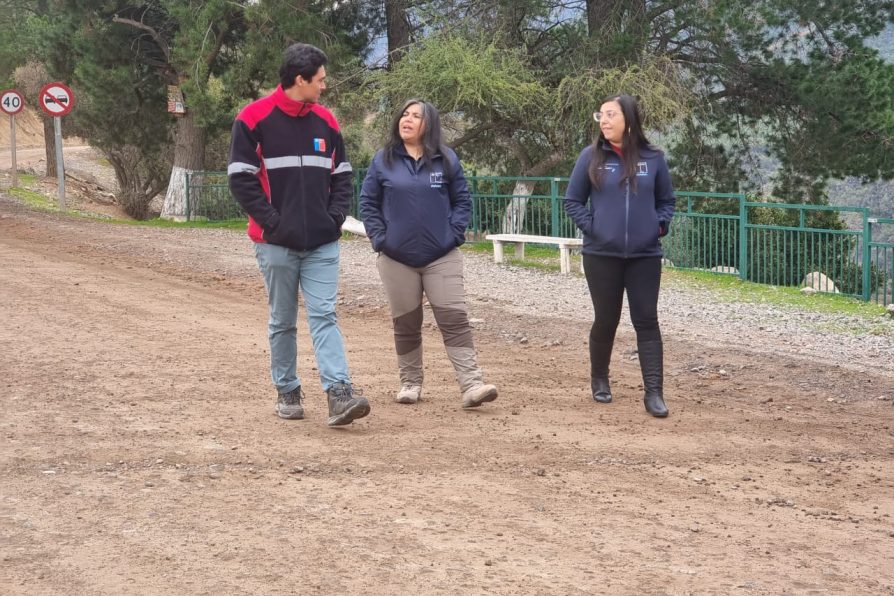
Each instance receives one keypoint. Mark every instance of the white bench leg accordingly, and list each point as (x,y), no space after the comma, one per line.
(498,251)
(565,259)
(519,250)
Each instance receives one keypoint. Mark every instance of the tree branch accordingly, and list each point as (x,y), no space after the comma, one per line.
(474,134)
(162,44)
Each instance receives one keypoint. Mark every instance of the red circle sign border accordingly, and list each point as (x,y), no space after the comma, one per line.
(44,93)
(21,101)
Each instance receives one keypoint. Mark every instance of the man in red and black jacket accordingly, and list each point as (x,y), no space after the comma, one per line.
(289,172)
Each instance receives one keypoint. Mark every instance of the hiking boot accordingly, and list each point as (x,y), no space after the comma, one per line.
(288,405)
(344,405)
(474,397)
(409,394)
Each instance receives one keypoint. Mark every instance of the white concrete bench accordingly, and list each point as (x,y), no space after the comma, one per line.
(565,245)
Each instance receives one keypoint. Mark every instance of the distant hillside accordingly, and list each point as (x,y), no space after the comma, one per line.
(878,196)
(29,129)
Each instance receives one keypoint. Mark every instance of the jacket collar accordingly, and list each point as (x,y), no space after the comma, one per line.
(290,106)
(402,151)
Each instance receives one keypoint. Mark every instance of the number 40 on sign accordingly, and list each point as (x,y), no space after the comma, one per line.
(11,102)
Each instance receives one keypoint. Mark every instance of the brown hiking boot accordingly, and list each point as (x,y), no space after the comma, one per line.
(288,405)
(345,406)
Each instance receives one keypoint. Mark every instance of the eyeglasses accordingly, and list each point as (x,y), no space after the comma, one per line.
(608,115)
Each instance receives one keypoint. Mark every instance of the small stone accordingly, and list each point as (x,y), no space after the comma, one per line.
(539,472)
(488,562)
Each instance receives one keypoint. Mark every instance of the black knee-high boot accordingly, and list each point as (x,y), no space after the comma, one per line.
(600,356)
(651,361)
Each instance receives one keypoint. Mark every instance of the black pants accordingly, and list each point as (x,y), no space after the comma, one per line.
(607,278)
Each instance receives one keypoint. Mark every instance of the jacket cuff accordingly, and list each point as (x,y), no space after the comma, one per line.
(272,222)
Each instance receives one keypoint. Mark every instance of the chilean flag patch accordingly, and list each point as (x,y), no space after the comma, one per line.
(320,145)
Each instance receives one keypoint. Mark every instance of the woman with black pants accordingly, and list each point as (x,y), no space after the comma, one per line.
(620,196)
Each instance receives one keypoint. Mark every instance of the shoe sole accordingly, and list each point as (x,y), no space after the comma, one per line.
(357,411)
(490,396)
(406,400)
(292,416)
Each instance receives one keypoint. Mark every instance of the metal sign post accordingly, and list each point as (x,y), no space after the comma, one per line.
(60,168)
(12,102)
(12,153)
(56,99)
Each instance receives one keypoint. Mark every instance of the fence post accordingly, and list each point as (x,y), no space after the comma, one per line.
(554,208)
(476,207)
(867,255)
(743,239)
(188,210)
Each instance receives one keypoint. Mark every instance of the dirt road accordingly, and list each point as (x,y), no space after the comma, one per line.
(139,453)
(32,158)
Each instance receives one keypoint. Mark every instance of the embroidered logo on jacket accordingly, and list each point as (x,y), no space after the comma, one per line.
(642,168)
(436,179)
(320,145)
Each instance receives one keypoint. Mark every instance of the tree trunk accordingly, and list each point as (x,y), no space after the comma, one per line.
(514,220)
(49,141)
(398,25)
(189,156)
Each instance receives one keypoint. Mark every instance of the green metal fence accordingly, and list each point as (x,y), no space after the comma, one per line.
(208,197)
(770,243)
(880,257)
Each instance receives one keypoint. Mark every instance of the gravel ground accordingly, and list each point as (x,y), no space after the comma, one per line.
(857,342)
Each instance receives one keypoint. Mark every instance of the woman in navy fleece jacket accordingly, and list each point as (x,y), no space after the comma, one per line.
(415,206)
(620,196)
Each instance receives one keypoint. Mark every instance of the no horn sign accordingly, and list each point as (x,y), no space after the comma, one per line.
(56,99)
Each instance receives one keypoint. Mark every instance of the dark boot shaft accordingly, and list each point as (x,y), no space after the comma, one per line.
(651,362)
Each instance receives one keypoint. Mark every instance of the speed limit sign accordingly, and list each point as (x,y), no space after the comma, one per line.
(12,102)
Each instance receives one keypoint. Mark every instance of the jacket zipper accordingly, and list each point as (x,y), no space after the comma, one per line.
(626,217)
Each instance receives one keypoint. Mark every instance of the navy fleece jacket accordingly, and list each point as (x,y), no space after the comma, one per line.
(415,212)
(621,219)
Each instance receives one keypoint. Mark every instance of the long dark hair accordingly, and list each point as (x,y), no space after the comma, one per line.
(633,141)
(431,134)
